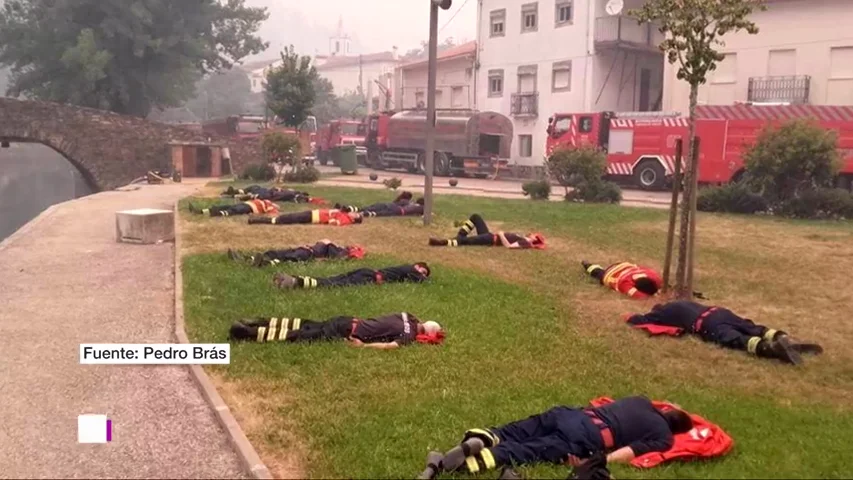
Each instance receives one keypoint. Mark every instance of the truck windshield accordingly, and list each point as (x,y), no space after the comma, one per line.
(350,129)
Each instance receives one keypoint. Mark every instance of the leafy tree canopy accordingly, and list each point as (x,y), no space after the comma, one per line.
(127,56)
(290,86)
(222,94)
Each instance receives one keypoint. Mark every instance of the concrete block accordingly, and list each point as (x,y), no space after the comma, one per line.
(145,226)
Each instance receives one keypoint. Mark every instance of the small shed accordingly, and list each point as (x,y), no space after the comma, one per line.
(200,159)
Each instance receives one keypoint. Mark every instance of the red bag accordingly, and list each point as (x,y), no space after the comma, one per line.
(705,440)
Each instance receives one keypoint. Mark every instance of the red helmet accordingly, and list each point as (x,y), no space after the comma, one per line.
(537,240)
(355,251)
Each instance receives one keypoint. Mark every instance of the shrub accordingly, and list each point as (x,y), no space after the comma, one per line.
(258,172)
(596,191)
(571,167)
(537,190)
(302,174)
(393,183)
(834,203)
(731,198)
(795,157)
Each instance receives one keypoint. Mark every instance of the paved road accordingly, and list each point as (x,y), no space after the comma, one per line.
(477,187)
(64,281)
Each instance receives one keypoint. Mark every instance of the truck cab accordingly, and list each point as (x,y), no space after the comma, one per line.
(338,133)
(577,129)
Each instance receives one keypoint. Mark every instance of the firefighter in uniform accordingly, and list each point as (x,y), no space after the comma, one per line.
(256,207)
(411,209)
(417,273)
(485,238)
(315,217)
(275,194)
(385,332)
(723,327)
(625,429)
(627,278)
(402,200)
(323,249)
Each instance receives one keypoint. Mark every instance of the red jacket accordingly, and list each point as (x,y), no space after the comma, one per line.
(262,206)
(621,277)
(330,217)
(706,440)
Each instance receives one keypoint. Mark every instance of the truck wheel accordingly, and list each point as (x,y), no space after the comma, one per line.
(418,167)
(441,164)
(650,175)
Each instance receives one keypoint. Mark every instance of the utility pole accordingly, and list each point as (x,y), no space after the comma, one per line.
(429,161)
(360,73)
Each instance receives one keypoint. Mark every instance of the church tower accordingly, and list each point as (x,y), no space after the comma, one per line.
(339,45)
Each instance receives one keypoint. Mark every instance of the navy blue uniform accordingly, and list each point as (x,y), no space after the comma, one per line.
(562,431)
(718,325)
(364,276)
(396,327)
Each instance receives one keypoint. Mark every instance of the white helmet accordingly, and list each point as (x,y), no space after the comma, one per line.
(431,328)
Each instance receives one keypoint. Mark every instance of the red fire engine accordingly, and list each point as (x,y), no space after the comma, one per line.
(640,146)
(341,132)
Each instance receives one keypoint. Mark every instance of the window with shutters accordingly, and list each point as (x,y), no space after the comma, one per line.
(525,146)
(497,26)
(563,13)
(561,76)
(529,17)
(496,83)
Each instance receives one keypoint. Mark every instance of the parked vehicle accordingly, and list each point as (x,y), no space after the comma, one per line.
(467,142)
(640,146)
(341,132)
(253,127)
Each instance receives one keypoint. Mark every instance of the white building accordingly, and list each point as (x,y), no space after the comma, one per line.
(803,53)
(455,87)
(541,57)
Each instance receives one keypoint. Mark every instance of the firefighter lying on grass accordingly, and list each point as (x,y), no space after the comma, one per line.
(256,207)
(274,194)
(723,327)
(324,249)
(417,273)
(626,429)
(385,332)
(311,217)
(627,278)
(403,200)
(485,238)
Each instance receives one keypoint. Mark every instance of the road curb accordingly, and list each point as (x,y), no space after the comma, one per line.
(250,459)
(29,225)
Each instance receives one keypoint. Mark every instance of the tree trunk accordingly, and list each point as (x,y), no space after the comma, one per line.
(673,213)
(691,243)
(681,289)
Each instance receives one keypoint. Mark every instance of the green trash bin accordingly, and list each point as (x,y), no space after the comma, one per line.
(347,159)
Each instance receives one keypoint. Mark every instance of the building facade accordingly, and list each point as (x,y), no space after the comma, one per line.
(803,53)
(537,58)
(455,87)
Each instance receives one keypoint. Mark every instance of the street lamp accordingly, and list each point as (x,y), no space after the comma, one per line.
(429,162)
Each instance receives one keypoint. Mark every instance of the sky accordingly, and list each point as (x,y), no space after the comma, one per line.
(374,25)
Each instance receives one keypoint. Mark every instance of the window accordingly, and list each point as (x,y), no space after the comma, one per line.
(525,146)
(585,124)
(563,124)
(529,17)
(726,71)
(457,97)
(561,76)
(498,22)
(527,75)
(563,14)
(839,85)
(496,83)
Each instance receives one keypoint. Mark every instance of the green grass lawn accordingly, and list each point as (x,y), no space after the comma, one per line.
(526,331)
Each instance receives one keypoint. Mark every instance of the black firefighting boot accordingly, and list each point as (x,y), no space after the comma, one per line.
(809,348)
(194,209)
(240,257)
(230,191)
(283,280)
(438,242)
(240,331)
(782,338)
(455,457)
(299,198)
(779,350)
(433,465)
(595,468)
(260,260)
(259,220)
(799,347)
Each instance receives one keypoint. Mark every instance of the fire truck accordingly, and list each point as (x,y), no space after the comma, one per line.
(467,142)
(640,146)
(341,132)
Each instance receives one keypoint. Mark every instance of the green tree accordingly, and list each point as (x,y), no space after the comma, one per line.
(693,31)
(121,55)
(326,103)
(793,158)
(222,94)
(352,105)
(290,88)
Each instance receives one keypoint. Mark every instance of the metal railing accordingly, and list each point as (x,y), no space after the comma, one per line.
(625,29)
(794,89)
(524,104)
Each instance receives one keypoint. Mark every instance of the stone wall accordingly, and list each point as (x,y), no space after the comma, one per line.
(109,149)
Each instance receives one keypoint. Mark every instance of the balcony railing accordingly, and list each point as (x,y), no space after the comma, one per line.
(793,89)
(524,104)
(625,31)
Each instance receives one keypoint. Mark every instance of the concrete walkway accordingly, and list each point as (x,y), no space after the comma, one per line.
(65,281)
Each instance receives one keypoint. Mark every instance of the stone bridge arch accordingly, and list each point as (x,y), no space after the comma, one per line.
(110,150)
